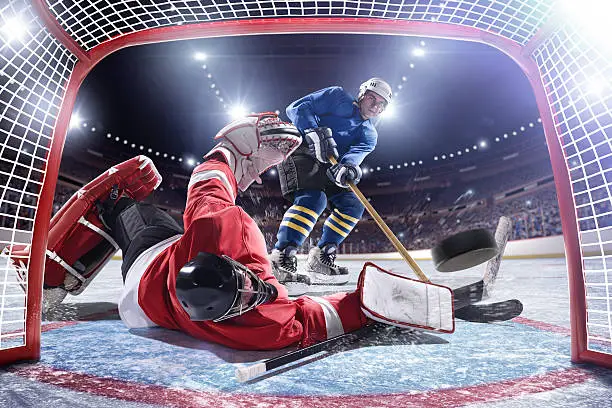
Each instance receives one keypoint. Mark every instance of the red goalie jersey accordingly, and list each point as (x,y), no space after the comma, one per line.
(214,224)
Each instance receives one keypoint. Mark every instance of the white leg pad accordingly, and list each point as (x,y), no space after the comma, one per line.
(400,301)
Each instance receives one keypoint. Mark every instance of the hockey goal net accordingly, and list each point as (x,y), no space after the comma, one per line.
(47,47)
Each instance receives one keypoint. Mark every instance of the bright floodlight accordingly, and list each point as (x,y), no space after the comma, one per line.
(483,143)
(389,112)
(592,17)
(418,52)
(75,121)
(596,85)
(200,56)
(191,162)
(273,172)
(14,29)
(238,111)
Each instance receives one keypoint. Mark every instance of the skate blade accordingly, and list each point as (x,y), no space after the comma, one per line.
(334,280)
(296,288)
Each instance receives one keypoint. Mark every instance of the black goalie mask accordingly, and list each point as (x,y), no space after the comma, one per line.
(216,288)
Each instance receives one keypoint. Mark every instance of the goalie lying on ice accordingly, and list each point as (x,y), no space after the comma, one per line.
(213,280)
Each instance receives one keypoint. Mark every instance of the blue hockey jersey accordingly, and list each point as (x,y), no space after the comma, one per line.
(336,109)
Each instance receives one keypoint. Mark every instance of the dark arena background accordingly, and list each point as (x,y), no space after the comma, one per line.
(501,108)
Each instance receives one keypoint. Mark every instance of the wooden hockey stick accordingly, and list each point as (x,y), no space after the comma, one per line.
(386,230)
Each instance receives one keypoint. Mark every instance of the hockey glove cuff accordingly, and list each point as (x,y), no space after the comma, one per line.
(344,173)
(321,143)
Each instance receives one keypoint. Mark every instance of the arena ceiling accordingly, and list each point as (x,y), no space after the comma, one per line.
(453,97)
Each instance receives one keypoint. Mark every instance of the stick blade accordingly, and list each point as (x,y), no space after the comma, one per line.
(493,312)
(468,294)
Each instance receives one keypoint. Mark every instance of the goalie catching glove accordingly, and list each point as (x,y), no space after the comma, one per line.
(321,143)
(253,144)
(344,173)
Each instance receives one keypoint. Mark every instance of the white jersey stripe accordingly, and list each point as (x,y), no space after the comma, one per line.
(212,174)
(333,324)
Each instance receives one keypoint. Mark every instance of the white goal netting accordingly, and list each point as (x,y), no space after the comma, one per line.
(43,43)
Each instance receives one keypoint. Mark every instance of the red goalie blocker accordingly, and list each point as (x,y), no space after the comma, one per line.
(79,244)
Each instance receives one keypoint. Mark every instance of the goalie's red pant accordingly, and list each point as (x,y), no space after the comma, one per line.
(214,224)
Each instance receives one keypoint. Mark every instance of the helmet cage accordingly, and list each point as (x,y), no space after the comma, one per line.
(251,291)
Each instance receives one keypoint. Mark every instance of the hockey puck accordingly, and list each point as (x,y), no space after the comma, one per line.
(464,250)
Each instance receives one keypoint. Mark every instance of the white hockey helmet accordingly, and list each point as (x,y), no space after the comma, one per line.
(378,86)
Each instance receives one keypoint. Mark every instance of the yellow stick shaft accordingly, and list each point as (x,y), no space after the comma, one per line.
(385,229)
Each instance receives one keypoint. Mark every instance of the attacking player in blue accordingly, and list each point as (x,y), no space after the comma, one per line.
(333,123)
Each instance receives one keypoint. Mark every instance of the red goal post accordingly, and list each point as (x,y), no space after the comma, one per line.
(48,47)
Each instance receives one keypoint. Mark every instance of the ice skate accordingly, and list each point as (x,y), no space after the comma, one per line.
(322,269)
(284,268)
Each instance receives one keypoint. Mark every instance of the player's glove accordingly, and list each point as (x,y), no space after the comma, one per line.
(321,143)
(343,173)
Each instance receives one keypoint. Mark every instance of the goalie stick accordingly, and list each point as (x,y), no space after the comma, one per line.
(246,373)
(481,290)
(463,299)
(492,312)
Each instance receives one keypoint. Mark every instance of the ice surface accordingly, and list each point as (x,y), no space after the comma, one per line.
(505,364)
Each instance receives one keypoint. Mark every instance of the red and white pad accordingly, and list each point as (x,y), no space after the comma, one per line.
(79,244)
(400,301)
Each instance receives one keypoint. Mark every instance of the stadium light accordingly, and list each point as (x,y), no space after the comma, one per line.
(14,29)
(237,111)
(483,143)
(418,52)
(191,162)
(591,17)
(389,111)
(200,56)
(75,121)
(596,86)
(273,172)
